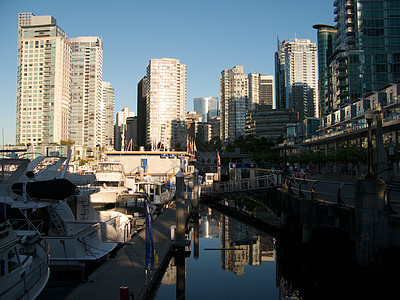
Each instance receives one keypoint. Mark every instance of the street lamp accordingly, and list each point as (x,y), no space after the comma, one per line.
(285,158)
(369,116)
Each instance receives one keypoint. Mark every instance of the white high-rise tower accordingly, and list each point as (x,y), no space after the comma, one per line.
(296,74)
(166,103)
(43,81)
(87,101)
(234,91)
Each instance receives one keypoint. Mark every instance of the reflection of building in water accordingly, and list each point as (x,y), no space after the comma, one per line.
(244,246)
(208,227)
(169,277)
(267,248)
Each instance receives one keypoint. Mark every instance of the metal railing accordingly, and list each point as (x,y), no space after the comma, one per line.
(247,184)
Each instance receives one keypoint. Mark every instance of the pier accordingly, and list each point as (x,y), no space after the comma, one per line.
(127,269)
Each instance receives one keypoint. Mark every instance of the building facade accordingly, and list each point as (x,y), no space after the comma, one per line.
(43,81)
(141,117)
(87,101)
(270,123)
(166,104)
(326,40)
(206,106)
(234,91)
(120,127)
(109,102)
(261,90)
(367,49)
(296,73)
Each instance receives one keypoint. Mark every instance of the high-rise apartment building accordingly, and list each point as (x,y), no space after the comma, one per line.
(296,73)
(43,81)
(108,100)
(87,101)
(234,91)
(261,90)
(367,49)
(166,103)
(120,127)
(141,117)
(326,41)
(206,106)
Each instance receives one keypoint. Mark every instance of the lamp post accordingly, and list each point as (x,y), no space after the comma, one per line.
(284,155)
(369,115)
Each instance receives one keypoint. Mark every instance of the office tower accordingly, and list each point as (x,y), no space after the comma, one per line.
(108,100)
(141,117)
(131,133)
(261,90)
(43,81)
(296,73)
(367,49)
(206,106)
(234,100)
(87,106)
(166,104)
(120,127)
(325,44)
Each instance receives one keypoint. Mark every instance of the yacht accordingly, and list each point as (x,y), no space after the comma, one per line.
(39,191)
(111,182)
(24,264)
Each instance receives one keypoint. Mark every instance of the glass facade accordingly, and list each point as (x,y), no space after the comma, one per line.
(325,36)
(367,47)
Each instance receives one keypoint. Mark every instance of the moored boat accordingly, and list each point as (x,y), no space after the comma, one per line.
(24,264)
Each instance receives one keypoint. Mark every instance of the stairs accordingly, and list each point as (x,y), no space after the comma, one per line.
(56,220)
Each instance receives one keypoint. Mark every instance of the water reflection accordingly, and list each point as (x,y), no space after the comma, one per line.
(221,247)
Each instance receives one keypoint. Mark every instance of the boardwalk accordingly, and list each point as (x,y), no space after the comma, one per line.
(128,268)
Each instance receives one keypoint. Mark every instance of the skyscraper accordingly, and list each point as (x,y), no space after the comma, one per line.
(43,81)
(108,100)
(367,49)
(141,117)
(261,90)
(234,91)
(120,127)
(166,103)
(296,73)
(206,106)
(326,39)
(87,101)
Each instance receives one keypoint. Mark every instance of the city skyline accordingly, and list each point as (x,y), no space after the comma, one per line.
(199,39)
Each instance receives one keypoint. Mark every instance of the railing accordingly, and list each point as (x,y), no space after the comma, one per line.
(296,185)
(247,184)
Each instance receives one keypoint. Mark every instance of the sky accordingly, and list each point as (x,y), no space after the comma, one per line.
(206,35)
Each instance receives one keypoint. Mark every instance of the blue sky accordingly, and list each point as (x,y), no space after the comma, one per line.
(208,36)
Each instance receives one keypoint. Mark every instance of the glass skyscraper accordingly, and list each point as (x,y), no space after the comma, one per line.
(207,107)
(326,36)
(367,49)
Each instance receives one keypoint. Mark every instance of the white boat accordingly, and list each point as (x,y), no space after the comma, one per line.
(24,264)
(111,182)
(158,195)
(44,201)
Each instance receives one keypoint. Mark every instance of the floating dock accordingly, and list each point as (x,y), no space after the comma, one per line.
(128,268)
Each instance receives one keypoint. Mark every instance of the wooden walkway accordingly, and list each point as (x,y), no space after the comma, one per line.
(128,268)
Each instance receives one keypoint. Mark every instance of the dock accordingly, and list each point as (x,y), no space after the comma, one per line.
(127,269)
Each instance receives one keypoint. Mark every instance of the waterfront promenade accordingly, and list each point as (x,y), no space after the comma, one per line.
(128,268)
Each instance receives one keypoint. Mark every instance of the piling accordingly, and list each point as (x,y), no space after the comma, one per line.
(180,207)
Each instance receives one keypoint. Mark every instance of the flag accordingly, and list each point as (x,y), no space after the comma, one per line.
(219,158)
(149,238)
(187,143)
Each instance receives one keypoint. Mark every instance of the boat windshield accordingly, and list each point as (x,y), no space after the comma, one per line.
(108,167)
